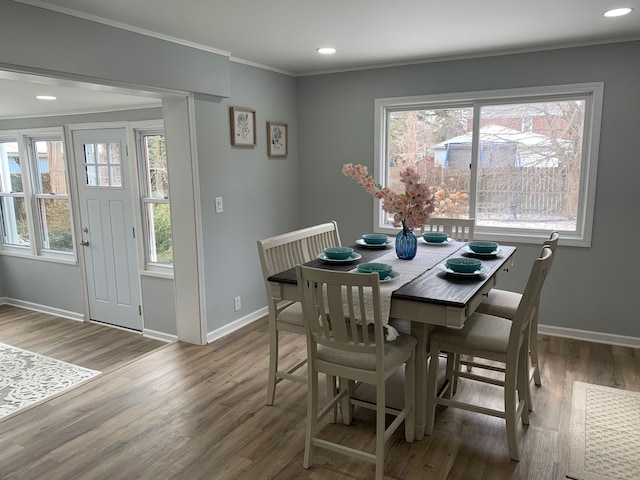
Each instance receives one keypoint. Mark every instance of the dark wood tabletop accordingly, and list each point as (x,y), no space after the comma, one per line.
(433,286)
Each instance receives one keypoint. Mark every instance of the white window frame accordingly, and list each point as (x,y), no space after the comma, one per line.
(30,170)
(593,96)
(138,130)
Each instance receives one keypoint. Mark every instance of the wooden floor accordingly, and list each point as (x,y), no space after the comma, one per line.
(188,412)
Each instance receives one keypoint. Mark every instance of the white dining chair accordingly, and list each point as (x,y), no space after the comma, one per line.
(353,351)
(495,339)
(504,303)
(278,254)
(460,229)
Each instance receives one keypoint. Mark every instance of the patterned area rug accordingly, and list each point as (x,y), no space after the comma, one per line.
(605,433)
(27,378)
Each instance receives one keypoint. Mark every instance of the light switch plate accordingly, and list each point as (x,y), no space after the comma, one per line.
(219,208)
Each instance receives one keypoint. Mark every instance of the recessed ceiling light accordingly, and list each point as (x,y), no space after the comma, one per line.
(326,50)
(46,97)
(618,12)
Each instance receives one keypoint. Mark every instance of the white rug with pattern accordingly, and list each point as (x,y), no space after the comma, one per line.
(605,433)
(27,378)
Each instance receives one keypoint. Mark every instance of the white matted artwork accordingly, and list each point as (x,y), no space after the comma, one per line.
(243,127)
(277,139)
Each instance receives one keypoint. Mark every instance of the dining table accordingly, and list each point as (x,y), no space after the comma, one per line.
(427,295)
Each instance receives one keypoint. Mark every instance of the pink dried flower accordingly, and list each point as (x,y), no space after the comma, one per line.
(411,209)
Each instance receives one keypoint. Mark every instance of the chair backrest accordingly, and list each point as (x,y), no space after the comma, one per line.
(460,229)
(285,251)
(529,302)
(552,243)
(330,299)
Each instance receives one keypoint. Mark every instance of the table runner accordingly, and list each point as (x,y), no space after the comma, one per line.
(428,256)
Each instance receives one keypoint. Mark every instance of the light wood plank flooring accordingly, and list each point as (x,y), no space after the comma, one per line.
(190,412)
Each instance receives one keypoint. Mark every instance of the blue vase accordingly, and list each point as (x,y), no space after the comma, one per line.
(406,244)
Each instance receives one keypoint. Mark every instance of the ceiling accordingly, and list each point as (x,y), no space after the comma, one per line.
(283,34)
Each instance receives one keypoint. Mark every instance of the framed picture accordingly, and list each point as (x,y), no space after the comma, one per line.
(277,139)
(243,127)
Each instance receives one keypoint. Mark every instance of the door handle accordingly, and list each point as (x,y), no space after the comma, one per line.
(85,243)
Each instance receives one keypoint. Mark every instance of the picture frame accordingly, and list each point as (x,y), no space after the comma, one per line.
(277,139)
(243,127)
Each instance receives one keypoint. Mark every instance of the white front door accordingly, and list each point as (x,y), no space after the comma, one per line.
(108,235)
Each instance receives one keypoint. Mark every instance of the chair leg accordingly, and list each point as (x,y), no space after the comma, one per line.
(524,384)
(452,367)
(510,410)
(533,349)
(433,356)
(312,416)
(345,404)
(380,430)
(273,361)
(331,393)
(409,399)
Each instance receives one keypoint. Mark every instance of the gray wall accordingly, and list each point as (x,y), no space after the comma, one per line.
(260,193)
(589,288)
(48,41)
(158,304)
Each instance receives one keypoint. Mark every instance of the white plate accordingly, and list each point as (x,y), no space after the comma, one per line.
(354,256)
(490,254)
(362,243)
(392,276)
(449,239)
(443,267)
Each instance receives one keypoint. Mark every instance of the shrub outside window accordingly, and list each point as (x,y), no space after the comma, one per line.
(521,162)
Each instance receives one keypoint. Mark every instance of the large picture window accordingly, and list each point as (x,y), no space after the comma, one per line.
(34,196)
(520,162)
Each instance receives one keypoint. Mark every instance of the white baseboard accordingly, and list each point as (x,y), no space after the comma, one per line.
(587,336)
(163,337)
(572,333)
(236,324)
(43,309)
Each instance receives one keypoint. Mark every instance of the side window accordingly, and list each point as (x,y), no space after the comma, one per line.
(34,196)
(156,207)
(15,229)
(53,214)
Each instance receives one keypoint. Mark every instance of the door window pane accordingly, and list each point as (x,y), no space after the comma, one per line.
(102,164)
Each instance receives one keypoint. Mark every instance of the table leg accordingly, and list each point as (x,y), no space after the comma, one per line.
(420,331)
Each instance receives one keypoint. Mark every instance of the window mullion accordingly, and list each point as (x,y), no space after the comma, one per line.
(475,161)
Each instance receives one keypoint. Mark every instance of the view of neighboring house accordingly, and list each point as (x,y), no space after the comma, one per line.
(501,146)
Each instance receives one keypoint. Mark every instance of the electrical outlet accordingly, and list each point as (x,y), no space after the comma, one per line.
(219,207)
(237,304)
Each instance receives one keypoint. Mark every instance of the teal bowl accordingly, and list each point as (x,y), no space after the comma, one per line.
(375,238)
(464,265)
(479,246)
(435,237)
(383,269)
(338,253)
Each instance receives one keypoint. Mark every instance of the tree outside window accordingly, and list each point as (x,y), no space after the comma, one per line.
(514,166)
